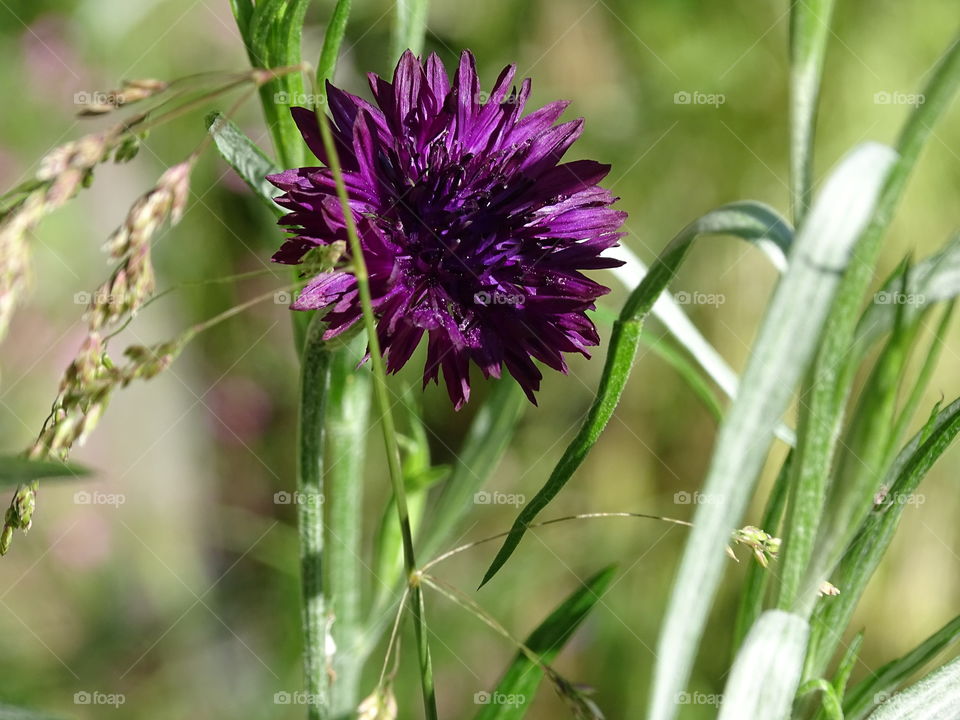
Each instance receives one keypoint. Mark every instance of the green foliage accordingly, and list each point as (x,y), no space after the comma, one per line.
(523,676)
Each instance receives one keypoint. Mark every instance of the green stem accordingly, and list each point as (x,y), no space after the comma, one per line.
(346,428)
(314,384)
(381,394)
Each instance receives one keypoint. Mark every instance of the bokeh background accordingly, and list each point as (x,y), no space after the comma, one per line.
(183,595)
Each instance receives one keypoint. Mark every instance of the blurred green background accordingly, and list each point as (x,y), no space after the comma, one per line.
(183,598)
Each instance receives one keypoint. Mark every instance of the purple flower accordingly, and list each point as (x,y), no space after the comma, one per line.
(473,233)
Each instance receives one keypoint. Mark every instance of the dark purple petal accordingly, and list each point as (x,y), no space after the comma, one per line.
(472,231)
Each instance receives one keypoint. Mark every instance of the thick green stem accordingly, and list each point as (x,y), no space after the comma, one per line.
(314,383)
(382,395)
(346,428)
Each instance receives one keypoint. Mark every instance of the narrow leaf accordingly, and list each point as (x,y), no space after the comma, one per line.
(936,697)
(519,683)
(766,674)
(883,682)
(243,155)
(15,470)
(786,341)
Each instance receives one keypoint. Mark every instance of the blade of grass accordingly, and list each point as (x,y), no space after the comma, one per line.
(786,341)
(332,40)
(859,468)
(832,615)
(765,676)
(828,384)
(862,697)
(935,697)
(747,220)
(523,676)
(809,31)
(15,469)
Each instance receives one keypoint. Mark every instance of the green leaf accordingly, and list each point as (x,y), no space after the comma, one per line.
(830,705)
(832,614)
(15,470)
(935,697)
(245,157)
(523,676)
(787,338)
(934,279)
(748,220)
(765,676)
(809,32)
(828,385)
(860,466)
(883,682)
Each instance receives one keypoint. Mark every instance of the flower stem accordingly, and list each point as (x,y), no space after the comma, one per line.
(381,395)
(314,382)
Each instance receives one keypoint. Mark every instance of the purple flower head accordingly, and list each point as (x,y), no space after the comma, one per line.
(473,232)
